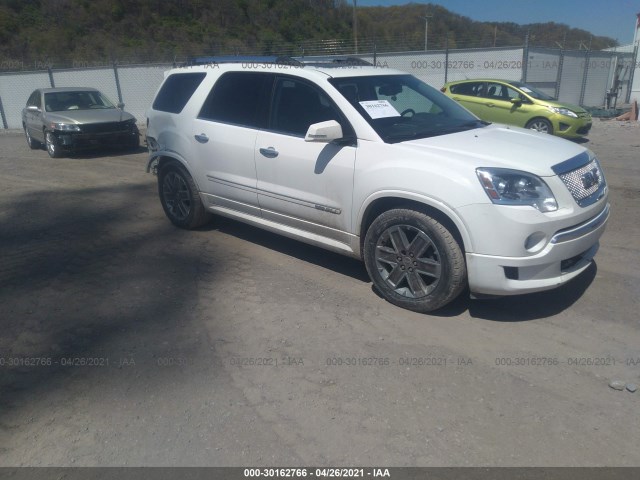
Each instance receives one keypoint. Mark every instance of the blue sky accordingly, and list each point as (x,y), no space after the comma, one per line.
(611,18)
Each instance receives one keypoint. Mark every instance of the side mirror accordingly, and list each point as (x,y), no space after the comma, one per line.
(32,108)
(120,105)
(516,101)
(324,132)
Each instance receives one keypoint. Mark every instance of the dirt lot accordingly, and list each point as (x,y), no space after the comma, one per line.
(141,344)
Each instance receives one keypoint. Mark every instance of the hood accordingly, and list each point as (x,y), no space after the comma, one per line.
(500,146)
(89,116)
(570,106)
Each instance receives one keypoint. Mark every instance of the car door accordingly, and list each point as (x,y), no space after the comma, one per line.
(33,117)
(501,106)
(301,184)
(471,96)
(224,139)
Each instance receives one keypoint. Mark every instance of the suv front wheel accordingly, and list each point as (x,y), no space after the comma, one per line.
(179,197)
(414,260)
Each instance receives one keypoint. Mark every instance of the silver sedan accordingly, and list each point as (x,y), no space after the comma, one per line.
(69,119)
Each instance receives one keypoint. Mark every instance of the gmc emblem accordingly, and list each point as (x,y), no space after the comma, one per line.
(590,179)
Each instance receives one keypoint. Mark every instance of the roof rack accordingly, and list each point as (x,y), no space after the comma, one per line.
(336,62)
(278,60)
(331,62)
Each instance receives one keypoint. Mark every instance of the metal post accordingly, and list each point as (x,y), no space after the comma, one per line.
(53,85)
(634,64)
(584,76)
(446,57)
(355,25)
(559,74)
(525,58)
(375,54)
(115,73)
(4,118)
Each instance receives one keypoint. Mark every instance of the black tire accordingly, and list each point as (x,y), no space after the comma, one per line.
(53,146)
(540,125)
(414,261)
(179,197)
(33,144)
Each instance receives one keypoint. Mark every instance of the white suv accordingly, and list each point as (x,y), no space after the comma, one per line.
(375,164)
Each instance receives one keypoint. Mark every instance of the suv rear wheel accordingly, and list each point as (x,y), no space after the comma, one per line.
(179,197)
(414,260)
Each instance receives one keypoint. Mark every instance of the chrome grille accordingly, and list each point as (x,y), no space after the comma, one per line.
(586,184)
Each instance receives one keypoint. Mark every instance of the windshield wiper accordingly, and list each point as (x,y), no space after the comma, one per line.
(464,126)
(401,137)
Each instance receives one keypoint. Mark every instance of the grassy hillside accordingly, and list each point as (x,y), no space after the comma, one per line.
(85,32)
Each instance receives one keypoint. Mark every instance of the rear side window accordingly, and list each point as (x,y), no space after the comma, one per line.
(34,99)
(176,91)
(239,98)
(473,89)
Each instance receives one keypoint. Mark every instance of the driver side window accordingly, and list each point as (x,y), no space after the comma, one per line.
(297,105)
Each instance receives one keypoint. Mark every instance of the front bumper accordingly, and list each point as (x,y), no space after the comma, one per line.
(568,127)
(568,253)
(81,140)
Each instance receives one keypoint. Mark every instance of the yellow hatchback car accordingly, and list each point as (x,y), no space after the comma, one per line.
(516,103)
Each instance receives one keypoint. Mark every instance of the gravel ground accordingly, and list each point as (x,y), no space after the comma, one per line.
(125,341)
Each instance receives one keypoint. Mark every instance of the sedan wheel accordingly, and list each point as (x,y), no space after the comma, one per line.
(33,144)
(53,148)
(541,125)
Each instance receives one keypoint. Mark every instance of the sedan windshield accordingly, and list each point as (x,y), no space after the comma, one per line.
(401,107)
(532,91)
(81,100)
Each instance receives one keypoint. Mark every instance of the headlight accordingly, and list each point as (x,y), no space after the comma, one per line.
(513,187)
(563,111)
(64,127)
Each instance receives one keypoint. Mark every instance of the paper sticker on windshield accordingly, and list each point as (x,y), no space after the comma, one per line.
(526,90)
(379,109)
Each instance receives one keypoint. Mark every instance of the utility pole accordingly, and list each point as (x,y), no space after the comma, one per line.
(426,29)
(355,25)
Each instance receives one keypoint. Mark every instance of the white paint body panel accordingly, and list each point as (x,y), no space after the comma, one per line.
(319,193)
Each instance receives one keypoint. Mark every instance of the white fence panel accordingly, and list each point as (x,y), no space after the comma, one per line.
(101,78)
(139,85)
(14,91)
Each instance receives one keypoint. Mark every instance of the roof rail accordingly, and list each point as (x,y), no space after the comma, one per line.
(333,62)
(279,60)
(337,62)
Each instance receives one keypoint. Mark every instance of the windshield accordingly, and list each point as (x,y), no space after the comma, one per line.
(81,100)
(532,91)
(401,107)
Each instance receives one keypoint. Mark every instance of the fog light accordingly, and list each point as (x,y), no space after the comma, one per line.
(535,242)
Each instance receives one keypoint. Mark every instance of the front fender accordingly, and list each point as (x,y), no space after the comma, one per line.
(429,202)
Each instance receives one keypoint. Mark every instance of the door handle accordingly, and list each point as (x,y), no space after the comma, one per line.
(269,152)
(491,104)
(202,138)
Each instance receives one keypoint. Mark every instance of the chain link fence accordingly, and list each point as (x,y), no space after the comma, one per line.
(584,77)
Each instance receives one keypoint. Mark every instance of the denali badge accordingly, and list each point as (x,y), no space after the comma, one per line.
(590,179)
